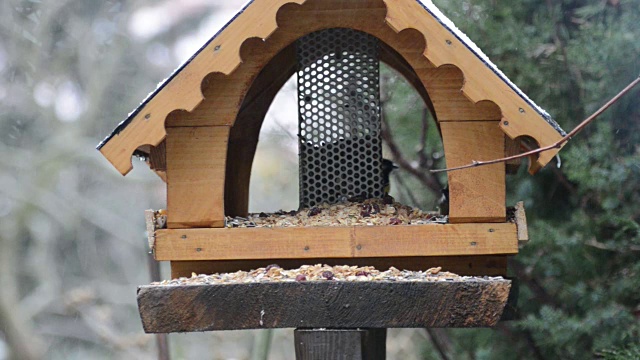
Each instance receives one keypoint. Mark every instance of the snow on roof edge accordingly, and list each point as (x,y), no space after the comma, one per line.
(430,7)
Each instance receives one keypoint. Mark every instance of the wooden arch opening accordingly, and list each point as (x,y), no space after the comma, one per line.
(243,137)
(234,106)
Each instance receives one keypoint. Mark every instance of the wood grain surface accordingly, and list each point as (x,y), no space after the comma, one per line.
(322,304)
(336,242)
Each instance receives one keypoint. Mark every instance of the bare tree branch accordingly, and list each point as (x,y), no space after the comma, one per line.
(556,145)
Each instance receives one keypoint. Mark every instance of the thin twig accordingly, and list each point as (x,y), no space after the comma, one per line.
(556,145)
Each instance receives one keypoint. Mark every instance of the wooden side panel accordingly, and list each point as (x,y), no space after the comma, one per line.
(451,239)
(478,265)
(196,158)
(332,242)
(253,243)
(477,194)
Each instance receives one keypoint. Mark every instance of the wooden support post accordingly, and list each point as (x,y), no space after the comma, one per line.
(340,344)
(478,194)
(196,158)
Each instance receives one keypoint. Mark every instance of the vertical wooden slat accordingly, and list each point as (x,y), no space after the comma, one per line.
(476,194)
(196,158)
(158,157)
(511,148)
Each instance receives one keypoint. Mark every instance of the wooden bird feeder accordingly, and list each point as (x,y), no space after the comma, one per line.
(199,130)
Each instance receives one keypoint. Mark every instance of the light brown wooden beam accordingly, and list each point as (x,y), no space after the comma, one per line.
(196,158)
(336,242)
(478,194)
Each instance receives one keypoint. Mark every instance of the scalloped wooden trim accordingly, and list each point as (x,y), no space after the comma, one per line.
(480,83)
(220,55)
(223,56)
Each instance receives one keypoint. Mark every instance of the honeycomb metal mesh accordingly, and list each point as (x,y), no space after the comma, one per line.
(340,146)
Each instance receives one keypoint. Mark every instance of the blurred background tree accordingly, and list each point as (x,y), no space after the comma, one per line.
(72,245)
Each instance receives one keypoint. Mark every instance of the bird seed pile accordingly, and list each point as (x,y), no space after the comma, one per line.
(319,272)
(369,212)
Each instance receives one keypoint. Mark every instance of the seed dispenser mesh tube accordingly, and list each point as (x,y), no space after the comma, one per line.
(340,147)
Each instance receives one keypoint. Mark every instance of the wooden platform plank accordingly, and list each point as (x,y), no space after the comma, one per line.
(435,240)
(322,304)
(336,242)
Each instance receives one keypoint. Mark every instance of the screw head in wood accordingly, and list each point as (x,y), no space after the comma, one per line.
(217,48)
(448,42)
(359,247)
(147,116)
(306,248)
(473,243)
(521,110)
(198,249)
(505,123)
(183,237)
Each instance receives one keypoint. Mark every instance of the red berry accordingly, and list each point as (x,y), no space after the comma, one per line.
(327,275)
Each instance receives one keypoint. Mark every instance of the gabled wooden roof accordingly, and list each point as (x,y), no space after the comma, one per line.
(257,19)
